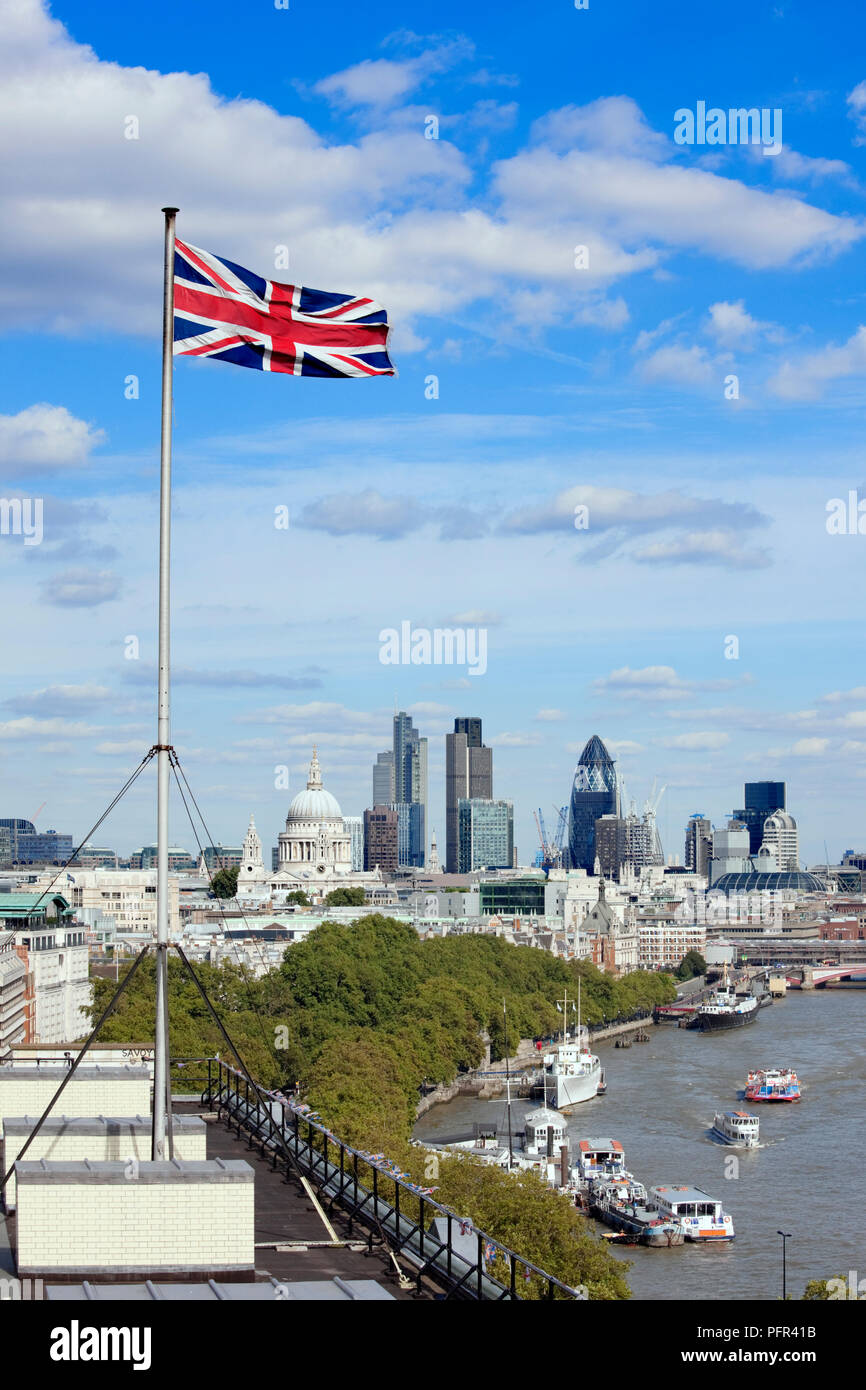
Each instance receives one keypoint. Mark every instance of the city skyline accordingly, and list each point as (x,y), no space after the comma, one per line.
(672,846)
(558,465)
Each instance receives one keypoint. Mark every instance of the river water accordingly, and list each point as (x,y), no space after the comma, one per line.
(806,1178)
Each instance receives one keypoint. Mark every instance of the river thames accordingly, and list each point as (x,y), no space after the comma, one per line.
(806,1178)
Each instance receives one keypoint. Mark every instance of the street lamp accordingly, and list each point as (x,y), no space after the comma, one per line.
(786,1236)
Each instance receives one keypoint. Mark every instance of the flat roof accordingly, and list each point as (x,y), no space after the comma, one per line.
(58,1172)
(600,1144)
(98,1124)
(683,1194)
(96,1071)
(221,1291)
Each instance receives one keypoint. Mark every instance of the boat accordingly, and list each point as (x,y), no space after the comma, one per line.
(622,1203)
(724,1009)
(700,1215)
(773,1083)
(622,1042)
(737,1127)
(542,1146)
(572,1073)
(611,1194)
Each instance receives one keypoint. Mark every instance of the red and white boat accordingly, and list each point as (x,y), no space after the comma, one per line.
(773,1083)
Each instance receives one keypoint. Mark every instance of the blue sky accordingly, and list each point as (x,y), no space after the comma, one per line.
(558,386)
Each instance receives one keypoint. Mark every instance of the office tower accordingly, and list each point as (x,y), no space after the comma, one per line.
(383,779)
(762,799)
(611,844)
(468,774)
(782,840)
(354,826)
(410,772)
(699,843)
(593,795)
(485,834)
(27,845)
(731,853)
(410,833)
(380,839)
(471,728)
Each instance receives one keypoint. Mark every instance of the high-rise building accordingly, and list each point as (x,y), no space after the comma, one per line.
(354,825)
(27,845)
(468,774)
(410,834)
(410,771)
(762,799)
(383,779)
(380,839)
(731,853)
(699,844)
(610,844)
(485,833)
(593,795)
(782,840)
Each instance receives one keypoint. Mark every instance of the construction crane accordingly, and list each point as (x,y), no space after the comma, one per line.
(33,819)
(561,829)
(549,853)
(650,808)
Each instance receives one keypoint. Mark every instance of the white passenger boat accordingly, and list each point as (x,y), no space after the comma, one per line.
(700,1215)
(572,1072)
(737,1127)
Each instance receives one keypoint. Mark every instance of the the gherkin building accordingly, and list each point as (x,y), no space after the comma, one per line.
(593,794)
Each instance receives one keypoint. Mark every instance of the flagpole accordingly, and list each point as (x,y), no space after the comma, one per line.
(160,1067)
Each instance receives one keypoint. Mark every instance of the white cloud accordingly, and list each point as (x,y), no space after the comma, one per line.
(80,588)
(856,101)
(399,215)
(45,438)
(550,716)
(704,548)
(684,366)
(637,201)
(38,728)
(385,81)
(810,747)
(733,327)
(805,379)
(615,124)
(510,740)
(621,508)
(59,699)
(857,693)
(705,742)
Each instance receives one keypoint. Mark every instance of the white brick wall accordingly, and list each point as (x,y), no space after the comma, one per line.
(133,1142)
(133,1225)
(88,1093)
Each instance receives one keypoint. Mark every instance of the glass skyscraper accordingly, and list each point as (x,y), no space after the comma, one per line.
(485,834)
(410,782)
(593,795)
(762,799)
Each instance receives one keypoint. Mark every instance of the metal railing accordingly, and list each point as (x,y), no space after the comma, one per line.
(466,1261)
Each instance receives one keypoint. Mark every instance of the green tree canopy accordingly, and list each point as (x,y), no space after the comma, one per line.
(691,964)
(225,882)
(346,897)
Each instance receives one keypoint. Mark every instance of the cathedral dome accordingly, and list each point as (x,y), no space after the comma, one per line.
(314,804)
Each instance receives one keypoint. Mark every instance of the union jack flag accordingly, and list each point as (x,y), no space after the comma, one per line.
(224,311)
